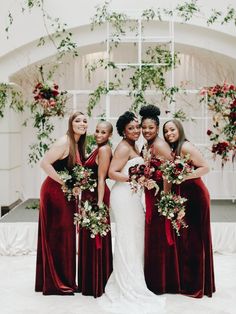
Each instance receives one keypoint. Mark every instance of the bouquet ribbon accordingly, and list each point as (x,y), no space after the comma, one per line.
(148,216)
(168,230)
(98,242)
(78,206)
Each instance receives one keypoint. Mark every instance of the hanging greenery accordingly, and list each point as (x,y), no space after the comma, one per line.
(96,95)
(221,100)
(48,102)
(8,93)
(56,30)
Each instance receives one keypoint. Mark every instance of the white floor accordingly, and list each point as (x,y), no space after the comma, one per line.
(17,294)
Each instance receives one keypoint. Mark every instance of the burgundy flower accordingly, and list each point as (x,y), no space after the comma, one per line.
(220,148)
(133,170)
(55,93)
(141,169)
(233,105)
(38,86)
(232,116)
(209,132)
(156,163)
(157,175)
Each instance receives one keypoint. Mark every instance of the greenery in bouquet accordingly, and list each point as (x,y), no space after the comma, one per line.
(94,218)
(77,180)
(140,176)
(172,207)
(176,170)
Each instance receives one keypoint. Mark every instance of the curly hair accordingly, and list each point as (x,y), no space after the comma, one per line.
(150,112)
(123,120)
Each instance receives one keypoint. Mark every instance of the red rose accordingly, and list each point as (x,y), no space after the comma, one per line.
(38,86)
(55,92)
(209,132)
(157,175)
(156,163)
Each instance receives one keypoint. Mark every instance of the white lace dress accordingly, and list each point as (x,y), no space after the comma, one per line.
(126,290)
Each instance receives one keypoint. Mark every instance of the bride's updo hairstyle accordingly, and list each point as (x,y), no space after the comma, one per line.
(150,112)
(123,120)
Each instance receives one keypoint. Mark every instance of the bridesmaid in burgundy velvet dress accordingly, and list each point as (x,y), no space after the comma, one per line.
(194,244)
(95,255)
(161,261)
(56,252)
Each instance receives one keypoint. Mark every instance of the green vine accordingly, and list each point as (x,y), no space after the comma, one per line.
(16,99)
(90,143)
(58,34)
(96,95)
(214,17)
(138,100)
(101,63)
(44,129)
(187,10)
(180,115)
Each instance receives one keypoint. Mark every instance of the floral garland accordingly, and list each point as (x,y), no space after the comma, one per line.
(48,102)
(222,102)
(49,99)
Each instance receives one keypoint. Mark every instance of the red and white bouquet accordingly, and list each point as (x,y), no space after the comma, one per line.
(77,180)
(176,170)
(94,218)
(141,176)
(172,207)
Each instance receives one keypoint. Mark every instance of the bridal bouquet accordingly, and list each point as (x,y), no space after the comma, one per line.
(176,170)
(94,218)
(141,176)
(172,207)
(77,180)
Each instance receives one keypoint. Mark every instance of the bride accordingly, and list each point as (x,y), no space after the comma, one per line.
(126,290)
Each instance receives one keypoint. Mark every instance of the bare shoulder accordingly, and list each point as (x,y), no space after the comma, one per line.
(162,149)
(105,149)
(160,143)
(62,142)
(188,148)
(122,149)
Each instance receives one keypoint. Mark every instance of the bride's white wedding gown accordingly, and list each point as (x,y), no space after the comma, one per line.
(126,290)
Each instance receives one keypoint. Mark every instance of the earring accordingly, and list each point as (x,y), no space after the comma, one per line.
(124,136)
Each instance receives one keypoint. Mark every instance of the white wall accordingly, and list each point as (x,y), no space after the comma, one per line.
(20,51)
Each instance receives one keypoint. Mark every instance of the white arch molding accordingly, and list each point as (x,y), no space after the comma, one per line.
(188,39)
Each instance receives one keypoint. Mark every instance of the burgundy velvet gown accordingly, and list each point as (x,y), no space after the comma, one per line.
(161,267)
(56,251)
(95,263)
(195,244)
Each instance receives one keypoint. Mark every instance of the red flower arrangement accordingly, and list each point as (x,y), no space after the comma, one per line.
(175,171)
(222,102)
(141,176)
(172,207)
(49,98)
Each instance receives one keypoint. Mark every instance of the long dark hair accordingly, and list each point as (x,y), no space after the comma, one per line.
(81,143)
(176,147)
